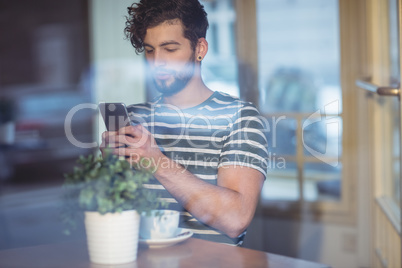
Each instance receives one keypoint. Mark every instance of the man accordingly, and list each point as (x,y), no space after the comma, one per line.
(208,148)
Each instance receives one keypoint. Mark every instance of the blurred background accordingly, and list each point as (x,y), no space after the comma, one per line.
(55,55)
(58,59)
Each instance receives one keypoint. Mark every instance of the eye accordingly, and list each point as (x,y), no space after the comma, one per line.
(171,49)
(149,51)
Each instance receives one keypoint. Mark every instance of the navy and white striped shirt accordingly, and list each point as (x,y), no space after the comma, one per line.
(221,131)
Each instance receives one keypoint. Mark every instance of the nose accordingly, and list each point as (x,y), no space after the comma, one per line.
(158,59)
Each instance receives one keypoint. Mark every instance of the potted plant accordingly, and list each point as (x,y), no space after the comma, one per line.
(110,195)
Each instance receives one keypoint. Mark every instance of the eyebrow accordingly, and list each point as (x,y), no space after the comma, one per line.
(166,43)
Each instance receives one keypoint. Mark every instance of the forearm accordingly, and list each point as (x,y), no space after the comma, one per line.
(219,207)
(228,206)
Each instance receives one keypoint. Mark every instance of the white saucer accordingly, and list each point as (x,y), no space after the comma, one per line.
(182,234)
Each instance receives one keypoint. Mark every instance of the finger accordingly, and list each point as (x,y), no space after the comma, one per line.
(143,129)
(107,134)
(133,131)
(141,136)
(123,152)
(112,142)
(102,146)
(115,139)
(115,145)
(125,139)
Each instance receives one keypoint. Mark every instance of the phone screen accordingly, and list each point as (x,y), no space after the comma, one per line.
(115,115)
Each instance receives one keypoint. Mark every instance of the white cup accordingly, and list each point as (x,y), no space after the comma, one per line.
(159,224)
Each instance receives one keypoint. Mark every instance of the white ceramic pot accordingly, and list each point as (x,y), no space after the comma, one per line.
(112,238)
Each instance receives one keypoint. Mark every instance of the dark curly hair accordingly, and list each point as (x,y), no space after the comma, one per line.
(151,13)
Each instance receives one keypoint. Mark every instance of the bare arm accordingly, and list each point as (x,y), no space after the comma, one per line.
(228,206)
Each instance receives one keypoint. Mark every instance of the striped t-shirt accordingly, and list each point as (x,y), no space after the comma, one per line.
(222,130)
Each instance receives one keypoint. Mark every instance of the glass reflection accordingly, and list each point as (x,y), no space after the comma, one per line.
(282,184)
(395,79)
(396,154)
(299,78)
(219,69)
(322,182)
(44,63)
(299,51)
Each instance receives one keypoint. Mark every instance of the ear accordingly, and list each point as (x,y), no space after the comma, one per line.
(201,49)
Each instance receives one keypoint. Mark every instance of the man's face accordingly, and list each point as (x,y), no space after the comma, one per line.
(169,56)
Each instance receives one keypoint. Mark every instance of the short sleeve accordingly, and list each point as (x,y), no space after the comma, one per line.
(246,144)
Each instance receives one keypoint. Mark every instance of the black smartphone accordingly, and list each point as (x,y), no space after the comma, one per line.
(115,115)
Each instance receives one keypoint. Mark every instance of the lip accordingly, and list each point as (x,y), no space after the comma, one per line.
(162,76)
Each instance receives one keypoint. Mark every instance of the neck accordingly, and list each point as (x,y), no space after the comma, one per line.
(195,93)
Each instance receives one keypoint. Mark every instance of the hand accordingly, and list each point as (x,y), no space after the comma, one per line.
(107,144)
(135,143)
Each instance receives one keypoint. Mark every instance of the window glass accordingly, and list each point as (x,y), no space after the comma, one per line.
(282,135)
(45,72)
(395,79)
(394,41)
(322,182)
(283,184)
(299,82)
(219,68)
(396,154)
(323,138)
(299,54)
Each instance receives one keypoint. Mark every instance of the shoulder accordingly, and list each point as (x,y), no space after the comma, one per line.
(139,107)
(225,99)
(142,108)
(220,101)
(241,108)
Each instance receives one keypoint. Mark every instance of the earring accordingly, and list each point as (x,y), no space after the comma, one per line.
(199,58)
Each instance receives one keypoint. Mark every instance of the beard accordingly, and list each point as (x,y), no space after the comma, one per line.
(180,78)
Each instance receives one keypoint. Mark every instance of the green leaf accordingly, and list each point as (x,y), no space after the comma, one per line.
(105,184)
(86,198)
